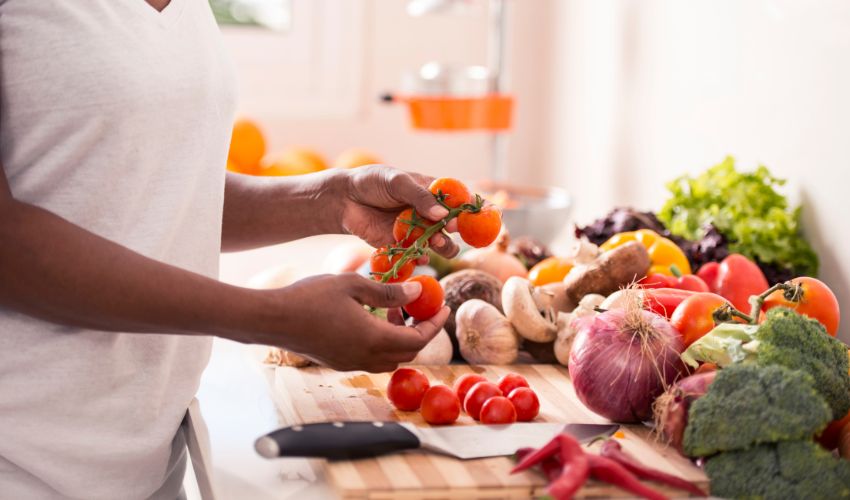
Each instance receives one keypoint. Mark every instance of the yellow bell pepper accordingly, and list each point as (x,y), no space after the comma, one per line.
(662,251)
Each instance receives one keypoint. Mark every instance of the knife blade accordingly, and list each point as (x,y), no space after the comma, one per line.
(349,440)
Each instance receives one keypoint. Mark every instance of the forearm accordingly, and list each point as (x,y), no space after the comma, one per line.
(55,270)
(260,211)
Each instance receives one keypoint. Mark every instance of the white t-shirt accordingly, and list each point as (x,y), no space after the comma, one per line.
(116,117)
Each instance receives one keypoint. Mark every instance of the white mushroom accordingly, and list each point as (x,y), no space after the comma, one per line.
(530,311)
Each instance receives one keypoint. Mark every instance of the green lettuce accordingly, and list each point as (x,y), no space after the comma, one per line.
(747,209)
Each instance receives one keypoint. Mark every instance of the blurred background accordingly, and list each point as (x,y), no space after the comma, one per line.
(611,99)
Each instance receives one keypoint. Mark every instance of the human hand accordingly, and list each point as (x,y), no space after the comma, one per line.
(323,318)
(373,197)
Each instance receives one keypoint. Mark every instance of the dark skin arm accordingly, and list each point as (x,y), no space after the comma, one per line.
(95,283)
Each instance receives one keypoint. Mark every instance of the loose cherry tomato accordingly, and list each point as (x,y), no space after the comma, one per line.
(406,388)
(478,395)
(693,318)
(440,405)
(549,270)
(454,192)
(525,402)
(406,233)
(498,410)
(816,301)
(510,382)
(381,262)
(430,300)
(465,382)
(481,228)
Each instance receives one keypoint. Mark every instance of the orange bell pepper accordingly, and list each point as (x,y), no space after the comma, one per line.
(663,253)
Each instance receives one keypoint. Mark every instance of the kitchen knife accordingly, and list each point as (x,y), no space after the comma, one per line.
(347,440)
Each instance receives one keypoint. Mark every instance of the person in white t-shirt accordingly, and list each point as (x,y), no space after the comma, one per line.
(115,119)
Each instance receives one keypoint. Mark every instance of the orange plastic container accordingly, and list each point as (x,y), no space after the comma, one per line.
(493,112)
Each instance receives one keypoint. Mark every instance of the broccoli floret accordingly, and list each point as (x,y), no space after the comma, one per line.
(800,343)
(789,469)
(748,405)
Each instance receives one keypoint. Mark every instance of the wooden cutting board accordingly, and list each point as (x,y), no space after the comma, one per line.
(308,395)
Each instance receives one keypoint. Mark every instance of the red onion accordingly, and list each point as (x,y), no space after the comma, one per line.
(671,408)
(622,359)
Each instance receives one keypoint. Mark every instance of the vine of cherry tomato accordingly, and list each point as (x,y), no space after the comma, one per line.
(430,300)
(406,233)
(481,228)
(382,262)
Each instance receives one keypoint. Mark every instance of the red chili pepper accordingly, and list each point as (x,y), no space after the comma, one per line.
(613,450)
(537,456)
(574,472)
(664,301)
(551,466)
(611,472)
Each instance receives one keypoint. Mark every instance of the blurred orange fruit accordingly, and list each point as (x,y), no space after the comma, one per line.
(247,147)
(355,157)
(294,161)
(549,270)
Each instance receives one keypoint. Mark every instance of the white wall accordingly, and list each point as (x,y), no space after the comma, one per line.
(649,90)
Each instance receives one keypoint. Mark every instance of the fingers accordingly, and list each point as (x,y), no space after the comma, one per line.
(372,293)
(407,191)
(395,316)
(444,245)
(411,339)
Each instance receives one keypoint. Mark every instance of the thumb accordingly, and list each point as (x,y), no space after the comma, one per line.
(408,191)
(376,294)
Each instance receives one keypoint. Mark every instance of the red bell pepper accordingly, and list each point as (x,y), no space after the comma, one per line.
(736,278)
(664,301)
(678,280)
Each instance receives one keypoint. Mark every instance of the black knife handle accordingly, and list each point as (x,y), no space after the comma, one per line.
(338,440)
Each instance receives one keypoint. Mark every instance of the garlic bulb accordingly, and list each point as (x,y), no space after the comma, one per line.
(436,352)
(484,335)
(568,325)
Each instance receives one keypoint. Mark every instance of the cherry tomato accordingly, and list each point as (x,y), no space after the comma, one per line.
(816,301)
(430,300)
(455,193)
(498,410)
(465,382)
(381,262)
(693,318)
(525,402)
(406,388)
(402,232)
(481,228)
(510,382)
(477,395)
(440,405)
(549,270)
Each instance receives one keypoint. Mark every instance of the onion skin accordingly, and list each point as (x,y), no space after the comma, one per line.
(617,372)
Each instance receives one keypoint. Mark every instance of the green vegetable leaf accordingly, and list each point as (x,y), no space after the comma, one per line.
(726,344)
(747,209)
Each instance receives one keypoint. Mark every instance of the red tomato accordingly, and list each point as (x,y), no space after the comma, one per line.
(737,279)
(465,382)
(478,395)
(454,192)
(693,318)
(525,402)
(498,410)
(405,233)
(481,228)
(511,381)
(381,262)
(440,405)
(816,301)
(406,388)
(829,437)
(430,300)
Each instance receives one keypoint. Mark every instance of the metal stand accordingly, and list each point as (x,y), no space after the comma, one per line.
(496,64)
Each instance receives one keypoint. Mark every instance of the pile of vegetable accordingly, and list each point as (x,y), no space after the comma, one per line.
(723,211)
(508,400)
(567,467)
